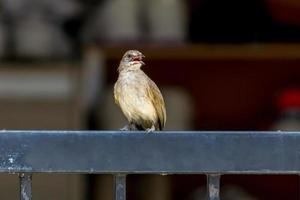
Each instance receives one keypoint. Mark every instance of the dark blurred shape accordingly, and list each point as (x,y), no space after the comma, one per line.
(3,38)
(285,11)
(227,21)
(235,21)
(228,192)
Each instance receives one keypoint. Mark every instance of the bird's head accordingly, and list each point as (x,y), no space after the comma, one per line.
(132,59)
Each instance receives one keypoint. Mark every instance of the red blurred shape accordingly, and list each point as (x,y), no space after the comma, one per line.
(285,11)
(289,98)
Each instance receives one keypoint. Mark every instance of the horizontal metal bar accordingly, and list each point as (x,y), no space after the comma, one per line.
(25,187)
(140,152)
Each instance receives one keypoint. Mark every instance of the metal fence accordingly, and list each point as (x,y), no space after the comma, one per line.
(171,152)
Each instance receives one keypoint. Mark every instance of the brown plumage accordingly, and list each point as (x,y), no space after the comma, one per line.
(138,96)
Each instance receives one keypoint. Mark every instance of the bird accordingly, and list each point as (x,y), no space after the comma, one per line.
(138,96)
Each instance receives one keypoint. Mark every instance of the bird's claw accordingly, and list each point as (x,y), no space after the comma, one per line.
(150,130)
(129,127)
(125,128)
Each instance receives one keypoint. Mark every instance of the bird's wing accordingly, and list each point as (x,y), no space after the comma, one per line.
(158,103)
(116,97)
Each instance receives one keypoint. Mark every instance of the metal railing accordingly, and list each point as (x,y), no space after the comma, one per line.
(171,152)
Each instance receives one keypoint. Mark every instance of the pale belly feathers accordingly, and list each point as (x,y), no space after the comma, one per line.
(134,100)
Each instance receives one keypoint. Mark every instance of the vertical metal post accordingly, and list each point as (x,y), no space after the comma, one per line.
(25,186)
(213,185)
(120,187)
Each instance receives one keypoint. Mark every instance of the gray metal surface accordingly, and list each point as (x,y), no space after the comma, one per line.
(213,185)
(25,186)
(138,152)
(119,187)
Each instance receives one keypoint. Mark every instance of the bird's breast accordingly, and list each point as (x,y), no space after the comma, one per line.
(133,98)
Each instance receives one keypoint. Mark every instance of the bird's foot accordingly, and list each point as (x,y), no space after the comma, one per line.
(150,130)
(125,128)
(129,127)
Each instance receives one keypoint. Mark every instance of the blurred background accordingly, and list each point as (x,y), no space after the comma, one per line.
(221,65)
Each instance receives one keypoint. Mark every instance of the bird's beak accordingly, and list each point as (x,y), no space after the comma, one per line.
(140,59)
